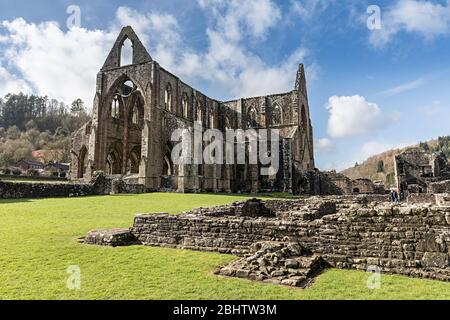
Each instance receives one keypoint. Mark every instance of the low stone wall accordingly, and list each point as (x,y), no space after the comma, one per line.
(100,185)
(11,190)
(407,240)
(439,187)
(120,186)
(417,198)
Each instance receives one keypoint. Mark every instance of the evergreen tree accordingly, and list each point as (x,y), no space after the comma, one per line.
(380,166)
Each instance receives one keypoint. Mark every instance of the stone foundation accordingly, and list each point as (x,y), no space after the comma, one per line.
(345,232)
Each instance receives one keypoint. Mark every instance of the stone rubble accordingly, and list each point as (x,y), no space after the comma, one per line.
(283,263)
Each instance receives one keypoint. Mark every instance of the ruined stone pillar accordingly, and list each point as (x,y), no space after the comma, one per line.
(148,165)
(182,173)
(255,178)
(286,165)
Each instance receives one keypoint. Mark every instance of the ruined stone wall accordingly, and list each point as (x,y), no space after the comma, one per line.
(415,169)
(406,240)
(11,190)
(439,187)
(80,140)
(100,185)
(341,183)
(363,186)
(417,198)
(130,131)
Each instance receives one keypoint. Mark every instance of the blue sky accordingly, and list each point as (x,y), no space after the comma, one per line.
(369,90)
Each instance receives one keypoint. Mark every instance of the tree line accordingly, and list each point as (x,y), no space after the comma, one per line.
(31,122)
(442,147)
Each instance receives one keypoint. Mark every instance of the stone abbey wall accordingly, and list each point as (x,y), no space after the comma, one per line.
(100,185)
(138,106)
(347,233)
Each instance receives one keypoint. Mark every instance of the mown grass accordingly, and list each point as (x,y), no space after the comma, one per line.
(38,242)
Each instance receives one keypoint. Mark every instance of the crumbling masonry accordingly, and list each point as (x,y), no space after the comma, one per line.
(290,241)
(138,106)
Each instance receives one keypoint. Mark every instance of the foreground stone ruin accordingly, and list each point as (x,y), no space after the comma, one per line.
(289,242)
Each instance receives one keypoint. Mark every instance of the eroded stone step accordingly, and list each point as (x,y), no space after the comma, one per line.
(285,263)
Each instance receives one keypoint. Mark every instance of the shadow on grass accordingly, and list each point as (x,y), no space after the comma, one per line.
(267,196)
(13,201)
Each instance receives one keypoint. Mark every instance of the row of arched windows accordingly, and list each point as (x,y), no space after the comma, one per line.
(276,117)
(116,114)
(185,105)
(168,101)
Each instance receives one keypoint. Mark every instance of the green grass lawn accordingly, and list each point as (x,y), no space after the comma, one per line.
(38,242)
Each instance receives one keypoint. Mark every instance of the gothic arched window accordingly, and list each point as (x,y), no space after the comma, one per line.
(115,108)
(212,122)
(185,105)
(227,123)
(199,112)
(277,116)
(126,53)
(135,118)
(168,98)
(251,118)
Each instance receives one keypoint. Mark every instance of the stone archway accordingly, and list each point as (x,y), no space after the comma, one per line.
(82,163)
(167,167)
(134,161)
(113,163)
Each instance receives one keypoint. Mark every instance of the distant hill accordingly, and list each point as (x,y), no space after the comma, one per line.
(381,167)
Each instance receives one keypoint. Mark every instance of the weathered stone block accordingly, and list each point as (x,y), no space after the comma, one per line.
(112,237)
(435,260)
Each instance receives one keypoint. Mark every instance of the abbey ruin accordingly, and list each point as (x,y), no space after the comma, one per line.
(337,222)
(138,106)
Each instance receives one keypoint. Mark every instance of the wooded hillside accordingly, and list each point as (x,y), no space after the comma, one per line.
(30,123)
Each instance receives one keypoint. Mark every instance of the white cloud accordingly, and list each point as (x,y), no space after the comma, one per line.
(308,9)
(228,64)
(352,116)
(64,64)
(425,18)
(160,27)
(372,148)
(324,145)
(10,83)
(54,63)
(236,18)
(404,87)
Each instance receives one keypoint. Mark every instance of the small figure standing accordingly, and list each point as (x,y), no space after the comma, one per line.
(394,196)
